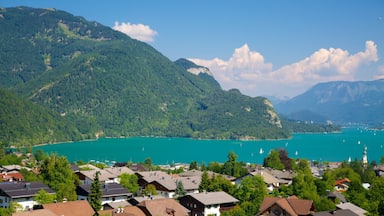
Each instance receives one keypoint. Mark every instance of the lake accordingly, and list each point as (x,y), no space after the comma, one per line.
(321,147)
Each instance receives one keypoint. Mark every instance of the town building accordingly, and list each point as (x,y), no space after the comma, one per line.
(208,203)
(22,193)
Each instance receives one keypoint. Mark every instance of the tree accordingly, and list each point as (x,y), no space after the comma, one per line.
(204,184)
(95,195)
(43,197)
(57,174)
(150,189)
(180,191)
(129,181)
(148,162)
(273,161)
(193,165)
(252,189)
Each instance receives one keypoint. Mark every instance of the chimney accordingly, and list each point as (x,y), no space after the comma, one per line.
(27,186)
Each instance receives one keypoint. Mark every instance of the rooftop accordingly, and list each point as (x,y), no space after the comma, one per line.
(211,198)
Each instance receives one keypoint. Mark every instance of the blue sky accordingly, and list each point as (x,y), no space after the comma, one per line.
(261,47)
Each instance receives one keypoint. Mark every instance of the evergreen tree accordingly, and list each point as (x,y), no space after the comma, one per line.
(180,191)
(193,165)
(205,181)
(95,195)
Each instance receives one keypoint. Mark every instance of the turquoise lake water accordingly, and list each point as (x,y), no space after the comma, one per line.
(321,147)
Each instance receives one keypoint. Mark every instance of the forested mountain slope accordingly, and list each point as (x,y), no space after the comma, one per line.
(22,122)
(342,102)
(108,84)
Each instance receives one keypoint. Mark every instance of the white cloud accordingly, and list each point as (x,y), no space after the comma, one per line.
(380,72)
(137,31)
(247,71)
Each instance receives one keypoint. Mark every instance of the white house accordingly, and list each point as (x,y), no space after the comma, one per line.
(22,193)
(110,192)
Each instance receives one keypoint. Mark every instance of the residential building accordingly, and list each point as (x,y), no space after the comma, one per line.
(166,184)
(124,211)
(107,175)
(341,185)
(208,203)
(110,192)
(72,208)
(339,212)
(22,193)
(354,208)
(285,176)
(11,177)
(163,207)
(291,206)
(270,181)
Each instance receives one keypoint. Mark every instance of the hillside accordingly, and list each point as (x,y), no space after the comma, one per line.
(343,102)
(22,122)
(108,84)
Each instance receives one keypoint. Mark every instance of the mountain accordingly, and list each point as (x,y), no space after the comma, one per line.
(343,102)
(111,85)
(24,122)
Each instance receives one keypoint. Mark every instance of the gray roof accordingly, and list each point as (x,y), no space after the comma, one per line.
(212,198)
(340,212)
(23,189)
(107,190)
(356,209)
(116,205)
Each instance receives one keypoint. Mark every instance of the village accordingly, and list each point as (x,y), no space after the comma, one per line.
(180,189)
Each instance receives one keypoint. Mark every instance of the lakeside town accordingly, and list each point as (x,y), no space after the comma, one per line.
(42,184)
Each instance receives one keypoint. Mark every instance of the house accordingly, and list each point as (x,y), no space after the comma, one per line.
(136,167)
(355,209)
(199,173)
(379,170)
(336,195)
(73,208)
(285,176)
(38,212)
(110,192)
(339,212)
(124,211)
(165,184)
(291,206)
(163,207)
(11,177)
(116,205)
(12,168)
(208,203)
(341,185)
(270,181)
(22,193)
(107,175)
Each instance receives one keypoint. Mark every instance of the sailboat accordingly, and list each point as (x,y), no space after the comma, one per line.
(261,151)
(349,159)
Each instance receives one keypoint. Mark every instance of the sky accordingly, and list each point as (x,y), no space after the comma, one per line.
(261,47)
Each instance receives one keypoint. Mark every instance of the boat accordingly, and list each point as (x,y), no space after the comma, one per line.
(296,153)
(261,151)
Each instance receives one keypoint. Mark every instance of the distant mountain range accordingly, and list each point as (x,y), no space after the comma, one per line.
(107,84)
(342,102)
